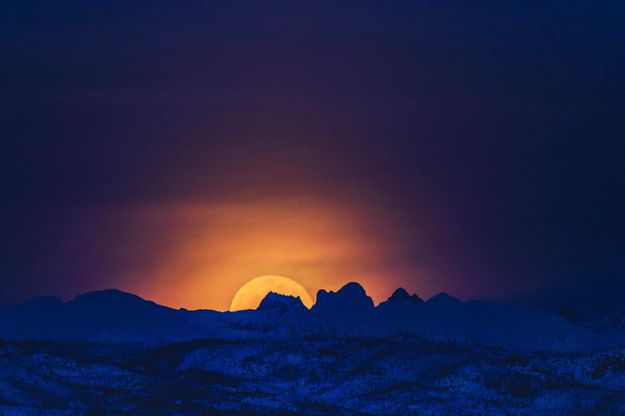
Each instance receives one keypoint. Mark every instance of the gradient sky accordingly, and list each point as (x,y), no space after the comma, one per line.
(179,149)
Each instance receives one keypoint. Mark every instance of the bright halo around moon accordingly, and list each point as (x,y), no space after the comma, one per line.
(252,293)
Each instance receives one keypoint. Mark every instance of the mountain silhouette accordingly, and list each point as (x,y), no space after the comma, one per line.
(143,355)
(281,304)
(400,296)
(101,316)
(350,297)
(113,316)
(443,299)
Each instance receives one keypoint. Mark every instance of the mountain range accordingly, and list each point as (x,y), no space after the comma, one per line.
(113,316)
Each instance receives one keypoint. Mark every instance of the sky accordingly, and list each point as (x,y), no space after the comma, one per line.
(177,150)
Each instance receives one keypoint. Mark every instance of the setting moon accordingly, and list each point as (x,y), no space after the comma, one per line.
(252,293)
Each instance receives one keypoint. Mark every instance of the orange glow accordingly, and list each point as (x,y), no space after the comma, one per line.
(197,255)
(252,293)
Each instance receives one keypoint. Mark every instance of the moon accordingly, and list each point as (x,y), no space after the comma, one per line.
(252,293)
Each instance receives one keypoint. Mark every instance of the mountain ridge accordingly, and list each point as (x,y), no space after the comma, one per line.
(114,316)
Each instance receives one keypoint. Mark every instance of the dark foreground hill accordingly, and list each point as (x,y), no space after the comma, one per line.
(324,375)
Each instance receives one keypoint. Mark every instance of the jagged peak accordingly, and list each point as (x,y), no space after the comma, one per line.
(442,299)
(354,288)
(350,295)
(401,295)
(277,302)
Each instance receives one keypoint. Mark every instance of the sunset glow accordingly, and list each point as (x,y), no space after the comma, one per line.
(208,251)
(252,293)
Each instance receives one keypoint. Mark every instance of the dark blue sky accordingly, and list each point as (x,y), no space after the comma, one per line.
(492,133)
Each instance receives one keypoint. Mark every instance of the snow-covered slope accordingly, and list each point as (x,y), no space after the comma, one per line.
(399,375)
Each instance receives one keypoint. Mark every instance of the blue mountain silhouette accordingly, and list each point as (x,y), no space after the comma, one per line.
(112,352)
(114,316)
